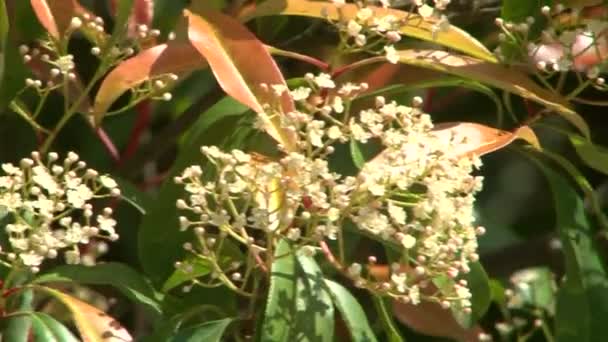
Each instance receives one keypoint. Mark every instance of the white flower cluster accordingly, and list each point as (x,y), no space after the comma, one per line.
(50,210)
(417,194)
(368,30)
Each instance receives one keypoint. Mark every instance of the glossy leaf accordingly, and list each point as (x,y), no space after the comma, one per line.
(118,275)
(209,332)
(582,301)
(93,324)
(241,64)
(352,313)
(280,314)
(46,328)
(160,240)
(480,139)
(416,27)
(594,156)
(314,307)
(199,266)
(56,15)
(509,79)
(176,58)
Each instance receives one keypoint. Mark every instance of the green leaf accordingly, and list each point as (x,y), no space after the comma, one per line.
(357,154)
(280,314)
(594,156)
(17,328)
(118,275)
(47,329)
(534,287)
(132,195)
(199,267)
(121,19)
(479,284)
(388,324)
(584,185)
(352,313)
(59,330)
(582,300)
(314,307)
(518,10)
(160,240)
(208,332)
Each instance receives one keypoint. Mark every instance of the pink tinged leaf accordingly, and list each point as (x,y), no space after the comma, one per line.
(93,324)
(477,139)
(176,58)
(56,15)
(241,64)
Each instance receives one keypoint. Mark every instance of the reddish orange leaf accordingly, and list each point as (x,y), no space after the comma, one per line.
(480,139)
(56,15)
(431,319)
(416,26)
(93,324)
(177,58)
(241,64)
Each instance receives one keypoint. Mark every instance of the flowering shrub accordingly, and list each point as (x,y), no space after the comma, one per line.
(267,189)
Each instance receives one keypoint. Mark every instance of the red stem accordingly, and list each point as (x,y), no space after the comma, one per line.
(428,101)
(141,124)
(108,143)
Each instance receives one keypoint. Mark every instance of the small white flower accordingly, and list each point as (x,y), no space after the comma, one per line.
(391,54)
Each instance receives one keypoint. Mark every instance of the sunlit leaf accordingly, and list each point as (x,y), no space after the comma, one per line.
(416,26)
(352,313)
(582,300)
(93,324)
(315,309)
(509,79)
(279,317)
(176,58)
(118,275)
(480,139)
(241,65)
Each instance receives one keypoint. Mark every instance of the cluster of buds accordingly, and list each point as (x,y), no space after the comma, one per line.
(49,203)
(417,194)
(572,44)
(374,33)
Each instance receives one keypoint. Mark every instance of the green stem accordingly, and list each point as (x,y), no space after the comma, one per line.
(392,333)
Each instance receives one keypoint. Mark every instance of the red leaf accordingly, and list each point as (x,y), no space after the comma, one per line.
(56,15)
(174,58)
(241,64)
(480,139)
